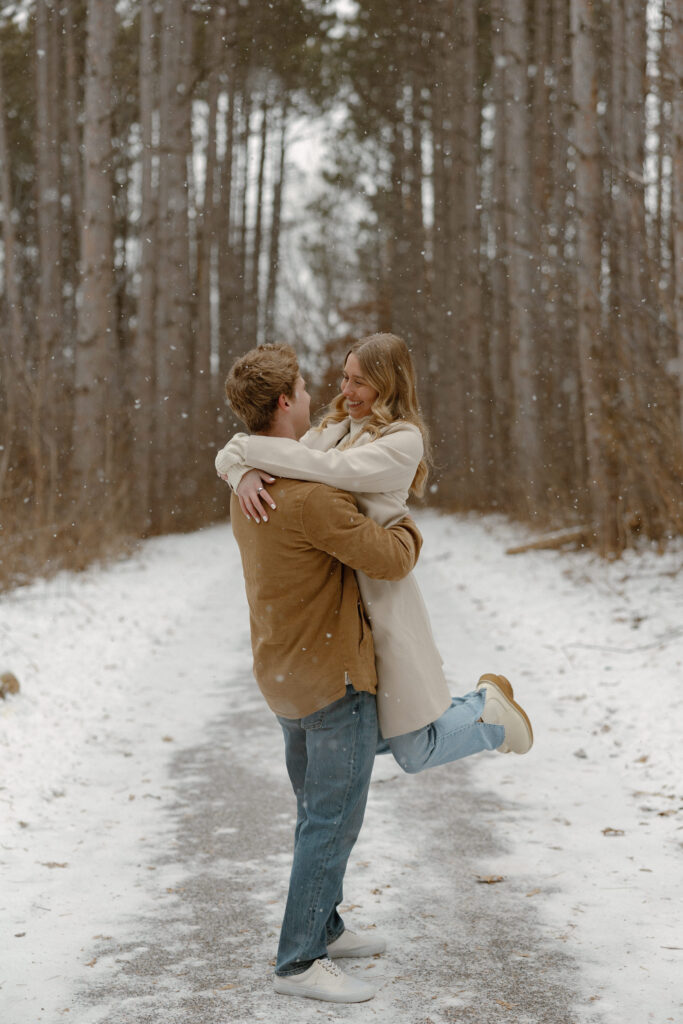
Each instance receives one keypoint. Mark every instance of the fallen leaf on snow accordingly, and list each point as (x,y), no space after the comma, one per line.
(613,831)
(52,864)
(489,879)
(534,892)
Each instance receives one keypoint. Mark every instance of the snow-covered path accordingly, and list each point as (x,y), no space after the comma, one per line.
(146,817)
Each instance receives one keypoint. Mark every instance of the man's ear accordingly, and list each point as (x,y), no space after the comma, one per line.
(284,402)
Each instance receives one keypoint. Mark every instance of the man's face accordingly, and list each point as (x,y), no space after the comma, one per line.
(300,409)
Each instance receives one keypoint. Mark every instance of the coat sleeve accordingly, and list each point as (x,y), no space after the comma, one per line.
(387,463)
(332,523)
(230,460)
(232,454)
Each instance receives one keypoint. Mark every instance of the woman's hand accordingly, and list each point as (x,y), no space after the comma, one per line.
(251,493)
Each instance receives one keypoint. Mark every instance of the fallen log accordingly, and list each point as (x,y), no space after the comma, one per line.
(552,541)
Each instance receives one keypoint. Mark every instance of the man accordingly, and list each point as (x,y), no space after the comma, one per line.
(314,662)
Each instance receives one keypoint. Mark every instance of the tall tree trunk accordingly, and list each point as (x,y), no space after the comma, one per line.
(94,404)
(588,256)
(253,265)
(449,433)
(204,412)
(528,484)
(566,426)
(275,229)
(677,189)
(243,223)
(174,486)
(144,344)
(71,131)
(13,383)
(479,388)
(499,344)
(227,266)
(50,319)
(416,323)
(440,234)
(73,111)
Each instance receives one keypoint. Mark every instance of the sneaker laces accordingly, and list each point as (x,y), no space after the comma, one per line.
(331,967)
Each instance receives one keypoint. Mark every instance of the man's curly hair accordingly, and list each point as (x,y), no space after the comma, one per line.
(256,381)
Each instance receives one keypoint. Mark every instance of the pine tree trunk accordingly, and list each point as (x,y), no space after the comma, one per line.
(677,188)
(479,388)
(173,321)
(241,233)
(227,267)
(143,354)
(588,213)
(204,411)
(94,404)
(275,229)
(416,323)
(253,286)
(50,322)
(528,484)
(566,423)
(13,383)
(499,344)
(73,116)
(448,398)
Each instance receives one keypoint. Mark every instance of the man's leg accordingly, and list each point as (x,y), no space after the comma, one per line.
(331,780)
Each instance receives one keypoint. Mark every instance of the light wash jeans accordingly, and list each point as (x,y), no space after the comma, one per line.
(456,733)
(329,758)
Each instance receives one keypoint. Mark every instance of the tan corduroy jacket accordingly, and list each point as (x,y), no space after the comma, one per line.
(309,631)
(413,690)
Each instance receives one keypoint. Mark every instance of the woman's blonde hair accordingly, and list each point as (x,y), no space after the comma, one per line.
(387,367)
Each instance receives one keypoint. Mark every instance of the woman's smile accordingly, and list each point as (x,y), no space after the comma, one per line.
(359,395)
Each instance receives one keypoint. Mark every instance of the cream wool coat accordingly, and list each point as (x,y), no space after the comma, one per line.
(412,689)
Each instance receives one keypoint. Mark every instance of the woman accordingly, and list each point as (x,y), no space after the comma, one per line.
(373,443)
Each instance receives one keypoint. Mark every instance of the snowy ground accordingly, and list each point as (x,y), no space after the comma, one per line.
(145,817)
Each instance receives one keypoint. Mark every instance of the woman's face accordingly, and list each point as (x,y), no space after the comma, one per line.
(358,393)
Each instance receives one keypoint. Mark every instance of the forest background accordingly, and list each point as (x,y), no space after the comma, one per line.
(500,183)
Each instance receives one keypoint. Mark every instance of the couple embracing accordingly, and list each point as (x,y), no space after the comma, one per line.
(343,648)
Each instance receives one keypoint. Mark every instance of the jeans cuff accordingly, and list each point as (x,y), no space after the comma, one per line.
(298,970)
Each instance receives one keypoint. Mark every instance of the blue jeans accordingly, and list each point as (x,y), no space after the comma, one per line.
(329,757)
(456,733)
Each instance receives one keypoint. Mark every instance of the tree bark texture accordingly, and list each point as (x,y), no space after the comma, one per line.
(93,426)
(173,322)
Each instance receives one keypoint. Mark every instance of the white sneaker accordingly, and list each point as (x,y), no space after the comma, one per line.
(324,980)
(501,709)
(349,944)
